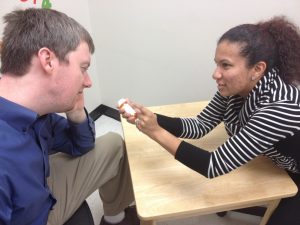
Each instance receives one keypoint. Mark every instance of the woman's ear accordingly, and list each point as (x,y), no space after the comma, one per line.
(259,70)
(46,57)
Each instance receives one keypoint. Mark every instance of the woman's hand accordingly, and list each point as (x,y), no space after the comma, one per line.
(144,119)
(125,114)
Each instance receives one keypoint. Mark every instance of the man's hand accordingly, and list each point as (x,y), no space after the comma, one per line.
(77,114)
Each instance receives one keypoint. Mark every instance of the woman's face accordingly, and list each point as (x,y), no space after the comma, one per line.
(232,75)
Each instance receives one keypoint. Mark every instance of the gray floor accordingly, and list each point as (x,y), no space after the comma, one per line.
(105,124)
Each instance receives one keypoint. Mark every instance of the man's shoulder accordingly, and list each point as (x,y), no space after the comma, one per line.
(8,135)
(6,128)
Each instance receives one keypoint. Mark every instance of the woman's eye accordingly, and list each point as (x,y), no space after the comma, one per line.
(225,65)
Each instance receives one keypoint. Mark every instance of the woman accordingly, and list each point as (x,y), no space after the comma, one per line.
(257,70)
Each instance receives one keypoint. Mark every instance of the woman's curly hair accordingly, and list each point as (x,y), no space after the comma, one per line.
(276,42)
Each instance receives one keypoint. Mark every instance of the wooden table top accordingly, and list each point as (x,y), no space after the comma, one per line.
(164,188)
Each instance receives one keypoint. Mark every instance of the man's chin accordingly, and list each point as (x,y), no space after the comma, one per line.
(66,109)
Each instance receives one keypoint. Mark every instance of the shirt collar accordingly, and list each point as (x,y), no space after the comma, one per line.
(266,84)
(17,116)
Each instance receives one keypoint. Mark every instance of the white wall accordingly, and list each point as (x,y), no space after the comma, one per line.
(161,51)
(79,10)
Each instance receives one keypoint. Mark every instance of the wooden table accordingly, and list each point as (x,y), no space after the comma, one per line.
(166,189)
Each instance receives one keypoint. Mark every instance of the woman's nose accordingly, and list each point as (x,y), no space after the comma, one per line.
(217,74)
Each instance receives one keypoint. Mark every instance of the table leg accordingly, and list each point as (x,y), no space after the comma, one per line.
(271,207)
(147,222)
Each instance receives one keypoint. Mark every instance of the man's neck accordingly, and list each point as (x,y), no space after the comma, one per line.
(18,89)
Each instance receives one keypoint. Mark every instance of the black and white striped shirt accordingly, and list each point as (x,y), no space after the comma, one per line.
(262,123)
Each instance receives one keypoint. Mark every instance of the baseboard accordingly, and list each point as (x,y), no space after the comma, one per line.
(105,110)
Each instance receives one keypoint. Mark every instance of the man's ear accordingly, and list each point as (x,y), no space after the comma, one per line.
(46,57)
(259,70)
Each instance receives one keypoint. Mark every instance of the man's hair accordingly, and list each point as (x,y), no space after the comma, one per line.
(27,31)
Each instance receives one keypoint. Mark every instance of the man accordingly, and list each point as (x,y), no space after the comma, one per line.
(45,56)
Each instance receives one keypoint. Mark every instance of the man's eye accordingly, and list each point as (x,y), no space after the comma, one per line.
(84,69)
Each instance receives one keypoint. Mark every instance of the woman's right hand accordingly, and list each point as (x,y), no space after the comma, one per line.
(144,119)
(127,115)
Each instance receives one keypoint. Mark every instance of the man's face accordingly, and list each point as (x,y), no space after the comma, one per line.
(72,77)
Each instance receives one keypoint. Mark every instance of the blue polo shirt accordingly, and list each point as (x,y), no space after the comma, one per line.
(26,139)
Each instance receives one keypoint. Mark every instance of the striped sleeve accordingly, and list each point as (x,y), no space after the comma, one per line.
(198,126)
(205,121)
(266,128)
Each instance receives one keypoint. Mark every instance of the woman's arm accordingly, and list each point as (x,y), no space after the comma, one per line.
(198,126)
